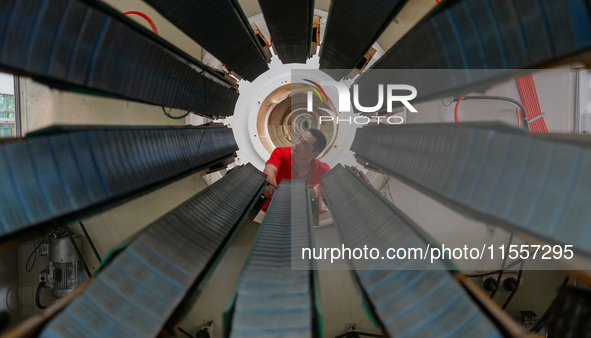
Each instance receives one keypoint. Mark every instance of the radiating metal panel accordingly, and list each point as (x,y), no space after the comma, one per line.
(273,299)
(489,34)
(410,297)
(55,173)
(75,45)
(290,25)
(352,27)
(137,292)
(221,28)
(537,185)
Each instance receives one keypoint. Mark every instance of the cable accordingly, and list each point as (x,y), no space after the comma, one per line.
(521,115)
(494,272)
(147,18)
(492,295)
(31,255)
(388,189)
(175,117)
(180,329)
(90,242)
(356,333)
(548,313)
(78,251)
(38,294)
(516,288)
(457,105)
(34,252)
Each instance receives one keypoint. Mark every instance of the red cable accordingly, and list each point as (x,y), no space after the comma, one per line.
(457,105)
(529,97)
(147,18)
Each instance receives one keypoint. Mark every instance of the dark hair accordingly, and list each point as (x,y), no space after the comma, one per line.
(320,143)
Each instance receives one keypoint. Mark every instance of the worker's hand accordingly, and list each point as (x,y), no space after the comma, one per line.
(271,172)
(270,188)
(322,207)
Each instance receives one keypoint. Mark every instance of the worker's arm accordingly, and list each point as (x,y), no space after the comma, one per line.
(271,172)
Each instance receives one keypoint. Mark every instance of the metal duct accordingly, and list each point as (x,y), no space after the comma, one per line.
(410,297)
(221,28)
(274,299)
(290,25)
(537,185)
(76,46)
(56,174)
(352,27)
(141,289)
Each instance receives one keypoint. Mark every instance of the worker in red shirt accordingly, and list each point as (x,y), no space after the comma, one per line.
(298,162)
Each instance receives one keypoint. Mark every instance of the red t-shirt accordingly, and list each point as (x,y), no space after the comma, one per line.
(281,158)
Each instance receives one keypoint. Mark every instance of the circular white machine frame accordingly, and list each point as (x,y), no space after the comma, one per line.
(253,94)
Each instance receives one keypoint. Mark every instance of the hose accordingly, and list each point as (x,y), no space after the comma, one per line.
(38,294)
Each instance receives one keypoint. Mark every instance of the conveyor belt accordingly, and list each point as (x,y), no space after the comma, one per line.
(75,46)
(539,185)
(410,297)
(290,25)
(136,294)
(487,34)
(274,298)
(352,27)
(67,173)
(221,28)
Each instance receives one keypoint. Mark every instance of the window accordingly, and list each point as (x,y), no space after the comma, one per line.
(5,132)
(7,122)
(9,106)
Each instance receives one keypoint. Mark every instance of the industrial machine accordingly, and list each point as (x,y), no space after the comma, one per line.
(263,81)
(64,272)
